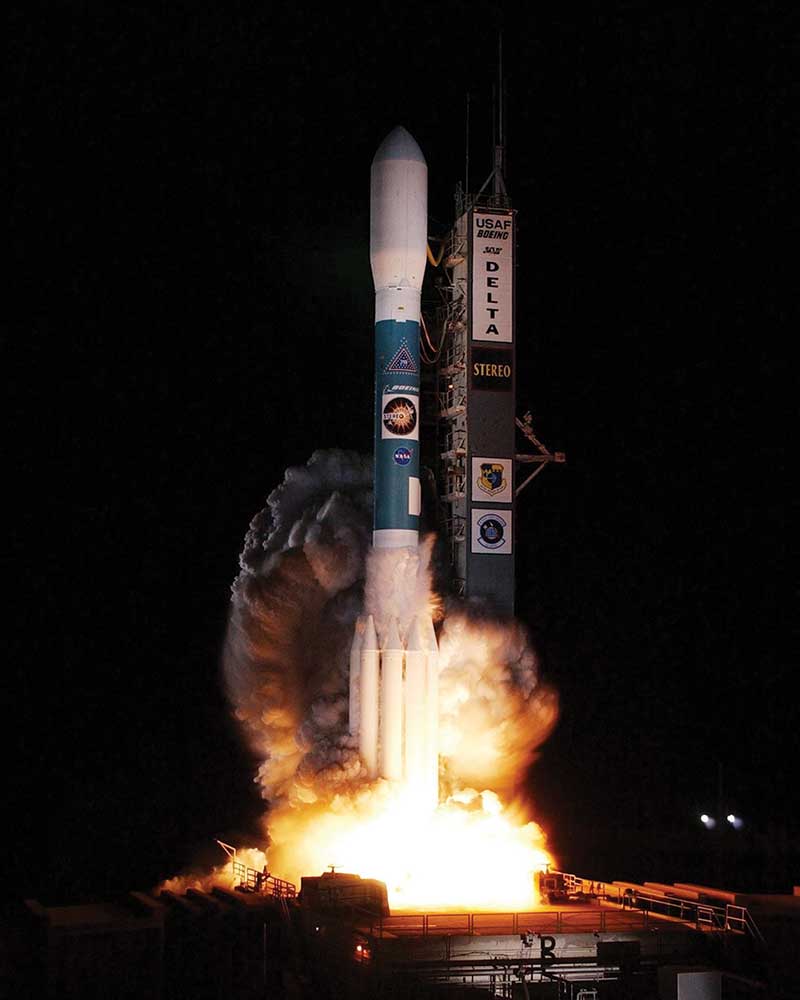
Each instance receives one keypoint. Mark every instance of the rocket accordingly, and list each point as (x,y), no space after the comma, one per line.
(394,676)
(394,705)
(397,251)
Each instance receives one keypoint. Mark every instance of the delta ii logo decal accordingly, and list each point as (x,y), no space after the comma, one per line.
(491,531)
(403,362)
(491,479)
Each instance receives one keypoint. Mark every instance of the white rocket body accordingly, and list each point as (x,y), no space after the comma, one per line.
(415,720)
(394,706)
(398,251)
(391,701)
(394,684)
(398,226)
(368,708)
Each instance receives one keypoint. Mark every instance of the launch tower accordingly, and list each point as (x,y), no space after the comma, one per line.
(475,392)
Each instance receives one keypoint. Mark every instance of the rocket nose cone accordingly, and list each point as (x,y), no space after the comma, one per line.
(414,643)
(399,145)
(391,641)
(431,643)
(370,639)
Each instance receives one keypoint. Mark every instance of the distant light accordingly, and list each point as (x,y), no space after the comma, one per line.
(708,821)
(735,821)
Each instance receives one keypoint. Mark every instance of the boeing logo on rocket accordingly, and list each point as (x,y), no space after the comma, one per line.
(397,251)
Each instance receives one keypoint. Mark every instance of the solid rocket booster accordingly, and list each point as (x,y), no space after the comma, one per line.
(394,705)
(354,715)
(391,706)
(415,719)
(432,712)
(397,250)
(369,687)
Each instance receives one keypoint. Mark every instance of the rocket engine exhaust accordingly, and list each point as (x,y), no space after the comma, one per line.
(383,747)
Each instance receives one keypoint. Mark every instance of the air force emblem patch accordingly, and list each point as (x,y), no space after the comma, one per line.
(492,478)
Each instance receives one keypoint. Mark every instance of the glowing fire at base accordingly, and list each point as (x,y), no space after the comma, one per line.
(306,575)
(471,853)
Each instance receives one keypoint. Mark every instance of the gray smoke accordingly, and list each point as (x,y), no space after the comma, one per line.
(293,611)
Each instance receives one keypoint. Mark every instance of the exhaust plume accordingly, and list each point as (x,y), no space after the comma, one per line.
(307,572)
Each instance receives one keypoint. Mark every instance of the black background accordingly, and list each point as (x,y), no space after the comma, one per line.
(189,214)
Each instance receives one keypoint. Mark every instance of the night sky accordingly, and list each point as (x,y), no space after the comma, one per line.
(189,212)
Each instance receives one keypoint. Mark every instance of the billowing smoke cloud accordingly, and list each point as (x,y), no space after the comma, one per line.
(493,711)
(304,580)
(293,609)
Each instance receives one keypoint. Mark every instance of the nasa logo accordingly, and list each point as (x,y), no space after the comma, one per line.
(400,416)
(402,456)
(491,479)
(491,531)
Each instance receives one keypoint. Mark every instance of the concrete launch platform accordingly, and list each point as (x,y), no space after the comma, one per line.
(632,941)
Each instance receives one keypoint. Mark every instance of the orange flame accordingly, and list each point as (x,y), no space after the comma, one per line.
(471,853)
(286,655)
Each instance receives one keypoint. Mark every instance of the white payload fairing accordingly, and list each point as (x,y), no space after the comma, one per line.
(394,676)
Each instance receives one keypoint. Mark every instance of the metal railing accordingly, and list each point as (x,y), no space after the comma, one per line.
(262,882)
(703,915)
(533,922)
(637,909)
(739,918)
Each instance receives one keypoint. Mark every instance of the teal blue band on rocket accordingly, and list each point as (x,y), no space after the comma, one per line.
(397,420)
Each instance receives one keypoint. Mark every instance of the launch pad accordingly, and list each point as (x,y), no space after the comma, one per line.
(611,940)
